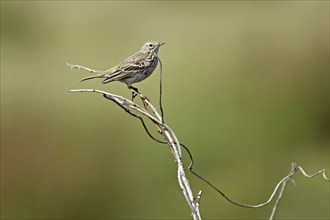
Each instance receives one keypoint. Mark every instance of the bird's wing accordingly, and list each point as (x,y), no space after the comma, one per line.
(124,71)
(135,58)
(129,66)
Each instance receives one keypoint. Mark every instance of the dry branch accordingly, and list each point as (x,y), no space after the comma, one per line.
(168,135)
(170,138)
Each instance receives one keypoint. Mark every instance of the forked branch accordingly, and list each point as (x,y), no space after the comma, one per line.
(167,134)
(170,138)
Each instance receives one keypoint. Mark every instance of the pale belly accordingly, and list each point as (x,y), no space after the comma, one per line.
(138,77)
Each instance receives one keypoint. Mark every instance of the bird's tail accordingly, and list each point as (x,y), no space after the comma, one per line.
(100,75)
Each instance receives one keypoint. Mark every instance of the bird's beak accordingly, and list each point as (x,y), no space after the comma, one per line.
(161,43)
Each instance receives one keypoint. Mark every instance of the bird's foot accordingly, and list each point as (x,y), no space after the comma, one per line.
(145,101)
(135,92)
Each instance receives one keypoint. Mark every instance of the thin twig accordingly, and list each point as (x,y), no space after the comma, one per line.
(161,89)
(278,199)
(74,66)
(167,134)
(175,146)
(312,175)
(198,200)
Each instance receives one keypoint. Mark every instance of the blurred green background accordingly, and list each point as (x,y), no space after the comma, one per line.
(246,88)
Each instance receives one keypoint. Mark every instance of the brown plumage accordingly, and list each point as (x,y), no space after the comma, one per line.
(133,69)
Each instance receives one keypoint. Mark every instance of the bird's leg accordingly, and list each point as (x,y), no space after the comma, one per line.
(136,92)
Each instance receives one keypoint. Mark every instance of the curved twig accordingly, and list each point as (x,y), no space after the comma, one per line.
(175,146)
(161,90)
(167,134)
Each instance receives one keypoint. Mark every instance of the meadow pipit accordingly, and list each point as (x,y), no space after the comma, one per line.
(133,69)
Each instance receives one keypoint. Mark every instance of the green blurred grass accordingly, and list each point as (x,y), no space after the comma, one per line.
(246,87)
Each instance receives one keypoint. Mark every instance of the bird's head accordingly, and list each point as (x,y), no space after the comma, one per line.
(152,46)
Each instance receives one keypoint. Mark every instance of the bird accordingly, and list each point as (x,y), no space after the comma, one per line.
(134,68)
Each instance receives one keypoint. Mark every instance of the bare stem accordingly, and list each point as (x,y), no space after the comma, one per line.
(175,146)
(75,66)
(170,138)
(168,135)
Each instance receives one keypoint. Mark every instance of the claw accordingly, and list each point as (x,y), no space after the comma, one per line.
(136,92)
(133,96)
(144,100)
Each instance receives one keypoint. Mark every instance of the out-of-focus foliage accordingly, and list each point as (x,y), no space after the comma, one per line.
(246,88)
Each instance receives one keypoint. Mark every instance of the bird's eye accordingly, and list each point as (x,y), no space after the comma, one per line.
(150,45)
